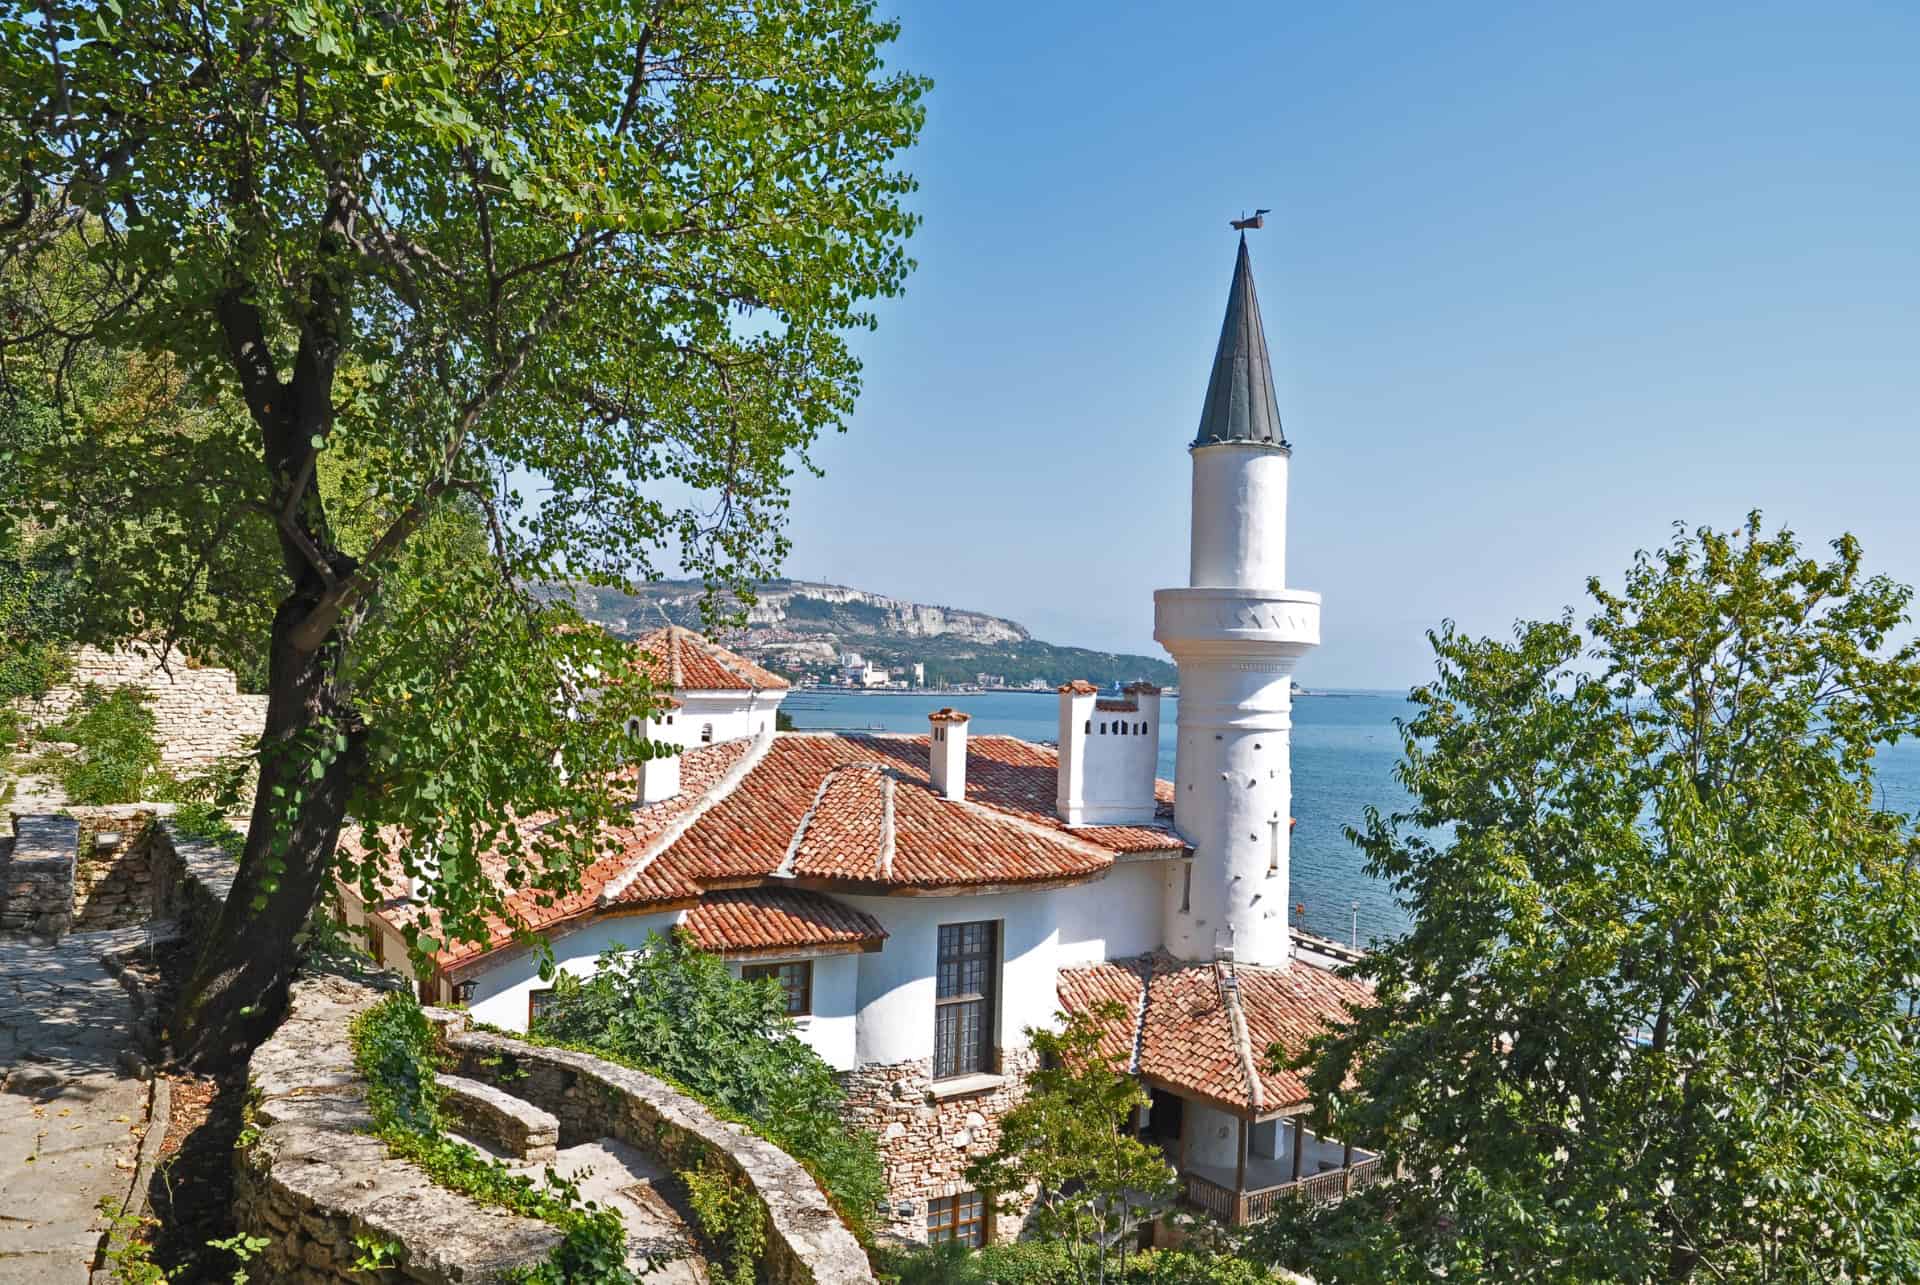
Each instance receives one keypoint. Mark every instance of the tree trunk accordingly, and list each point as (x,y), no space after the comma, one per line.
(239,986)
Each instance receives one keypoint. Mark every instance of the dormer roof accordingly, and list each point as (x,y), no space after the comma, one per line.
(680,659)
(1240,405)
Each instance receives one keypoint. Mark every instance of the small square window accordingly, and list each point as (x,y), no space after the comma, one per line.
(796,981)
(962,1218)
(539,1004)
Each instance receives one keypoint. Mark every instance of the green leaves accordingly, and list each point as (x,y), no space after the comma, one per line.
(1653,1019)
(556,291)
(1067,1147)
(678,1013)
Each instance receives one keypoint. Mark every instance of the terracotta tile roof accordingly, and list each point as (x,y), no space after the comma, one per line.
(849,811)
(1079,687)
(1182,1030)
(701,768)
(680,659)
(948,714)
(1142,686)
(1118,706)
(776,918)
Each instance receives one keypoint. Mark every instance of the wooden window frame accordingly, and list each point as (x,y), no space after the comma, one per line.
(777,971)
(973,1232)
(951,950)
(534,997)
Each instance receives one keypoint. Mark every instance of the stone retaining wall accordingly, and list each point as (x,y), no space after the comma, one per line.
(113,882)
(807,1244)
(191,879)
(36,875)
(200,715)
(322,1190)
(927,1141)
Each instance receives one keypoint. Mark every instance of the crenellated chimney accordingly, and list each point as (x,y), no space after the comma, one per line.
(947,753)
(1109,750)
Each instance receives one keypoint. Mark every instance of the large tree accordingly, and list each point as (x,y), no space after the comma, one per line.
(581,270)
(1655,1018)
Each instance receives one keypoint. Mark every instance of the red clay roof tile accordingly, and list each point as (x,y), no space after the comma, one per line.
(1185,1033)
(680,659)
(747,919)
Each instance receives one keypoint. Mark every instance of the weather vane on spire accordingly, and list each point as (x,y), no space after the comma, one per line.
(1257,221)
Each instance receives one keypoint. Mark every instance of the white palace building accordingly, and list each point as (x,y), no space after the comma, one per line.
(924,900)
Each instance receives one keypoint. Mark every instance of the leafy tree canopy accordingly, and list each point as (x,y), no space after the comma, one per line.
(576,274)
(1655,1019)
(1066,1156)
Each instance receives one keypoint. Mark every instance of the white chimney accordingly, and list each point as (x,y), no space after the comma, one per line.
(659,775)
(1109,750)
(947,753)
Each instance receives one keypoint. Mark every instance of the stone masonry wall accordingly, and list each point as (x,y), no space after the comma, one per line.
(191,880)
(199,714)
(36,875)
(807,1244)
(927,1141)
(113,867)
(313,1181)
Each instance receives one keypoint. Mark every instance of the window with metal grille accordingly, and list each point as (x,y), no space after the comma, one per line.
(962,1218)
(539,1000)
(796,980)
(964,999)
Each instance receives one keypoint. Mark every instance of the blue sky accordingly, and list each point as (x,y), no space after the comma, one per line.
(1540,280)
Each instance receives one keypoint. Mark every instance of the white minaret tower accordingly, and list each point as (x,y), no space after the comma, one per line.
(1236,632)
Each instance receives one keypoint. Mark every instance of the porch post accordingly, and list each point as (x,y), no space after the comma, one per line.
(1299,1137)
(1346,1168)
(1240,1160)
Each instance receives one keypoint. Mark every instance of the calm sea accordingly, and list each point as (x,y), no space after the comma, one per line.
(1344,751)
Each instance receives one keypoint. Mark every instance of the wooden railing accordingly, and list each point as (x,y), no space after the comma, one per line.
(1238,1207)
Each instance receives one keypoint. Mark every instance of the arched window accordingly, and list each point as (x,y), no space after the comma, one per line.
(706,733)
(1089,727)
(1103,729)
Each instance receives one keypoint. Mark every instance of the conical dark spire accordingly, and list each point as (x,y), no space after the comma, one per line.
(1240,405)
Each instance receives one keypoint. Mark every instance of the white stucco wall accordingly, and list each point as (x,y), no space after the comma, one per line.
(729,714)
(829,1029)
(501,988)
(1107,761)
(1114,918)
(1040,932)
(1239,525)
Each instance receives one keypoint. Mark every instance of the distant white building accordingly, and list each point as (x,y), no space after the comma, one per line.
(919,674)
(924,900)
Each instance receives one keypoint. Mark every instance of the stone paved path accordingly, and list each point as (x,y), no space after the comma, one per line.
(71,1119)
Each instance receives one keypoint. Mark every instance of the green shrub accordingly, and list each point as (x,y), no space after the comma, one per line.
(730,1217)
(1053,1262)
(119,752)
(676,1012)
(29,669)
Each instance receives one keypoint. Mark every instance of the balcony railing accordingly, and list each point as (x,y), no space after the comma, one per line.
(1239,1207)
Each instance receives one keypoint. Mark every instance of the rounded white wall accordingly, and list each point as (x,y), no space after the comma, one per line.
(503,984)
(1234,792)
(1239,532)
(1040,933)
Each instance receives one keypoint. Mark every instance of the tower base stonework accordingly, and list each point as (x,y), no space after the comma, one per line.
(927,1139)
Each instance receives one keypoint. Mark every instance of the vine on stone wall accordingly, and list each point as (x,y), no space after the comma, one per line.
(395,1052)
(730,1217)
